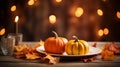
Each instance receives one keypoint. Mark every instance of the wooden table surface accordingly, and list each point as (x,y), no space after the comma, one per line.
(9,61)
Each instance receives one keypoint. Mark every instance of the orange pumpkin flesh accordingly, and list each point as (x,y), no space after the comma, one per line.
(55,44)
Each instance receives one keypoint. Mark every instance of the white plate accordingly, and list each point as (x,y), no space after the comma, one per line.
(93,51)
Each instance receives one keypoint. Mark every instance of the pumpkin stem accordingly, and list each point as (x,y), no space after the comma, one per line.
(56,35)
(76,38)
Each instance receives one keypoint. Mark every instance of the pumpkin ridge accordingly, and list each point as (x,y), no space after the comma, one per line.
(72,48)
(61,44)
(51,44)
(84,47)
(78,48)
(82,50)
(66,46)
(56,43)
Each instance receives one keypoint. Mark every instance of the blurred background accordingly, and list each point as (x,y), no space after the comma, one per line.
(91,20)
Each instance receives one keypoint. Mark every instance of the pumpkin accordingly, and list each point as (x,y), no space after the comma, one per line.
(55,44)
(77,47)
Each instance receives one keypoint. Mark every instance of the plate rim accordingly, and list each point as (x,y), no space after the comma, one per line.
(61,55)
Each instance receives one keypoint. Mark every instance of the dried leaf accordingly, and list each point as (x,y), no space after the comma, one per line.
(51,60)
(94,45)
(107,55)
(26,52)
(39,44)
(20,47)
(32,56)
(88,60)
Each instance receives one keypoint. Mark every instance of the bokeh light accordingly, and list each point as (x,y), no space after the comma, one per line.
(118,14)
(104,0)
(2,31)
(106,31)
(79,12)
(52,19)
(58,1)
(99,12)
(30,2)
(100,32)
(13,8)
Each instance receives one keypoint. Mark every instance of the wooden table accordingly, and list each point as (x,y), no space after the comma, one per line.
(8,61)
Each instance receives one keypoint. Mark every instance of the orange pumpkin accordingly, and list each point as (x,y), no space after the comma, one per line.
(55,44)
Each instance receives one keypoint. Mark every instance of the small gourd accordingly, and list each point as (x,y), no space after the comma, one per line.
(77,47)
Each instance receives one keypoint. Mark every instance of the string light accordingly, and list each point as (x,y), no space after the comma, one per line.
(30,2)
(99,12)
(106,31)
(52,19)
(78,12)
(2,31)
(100,32)
(118,14)
(104,0)
(58,1)
(13,8)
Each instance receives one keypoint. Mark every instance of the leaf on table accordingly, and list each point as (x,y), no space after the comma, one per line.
(32,56)
(108,55)
(23,51)
(39,44)
(51,60)
(112,47)
(20,56)
(88,59)
(94,45)
(20,47)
